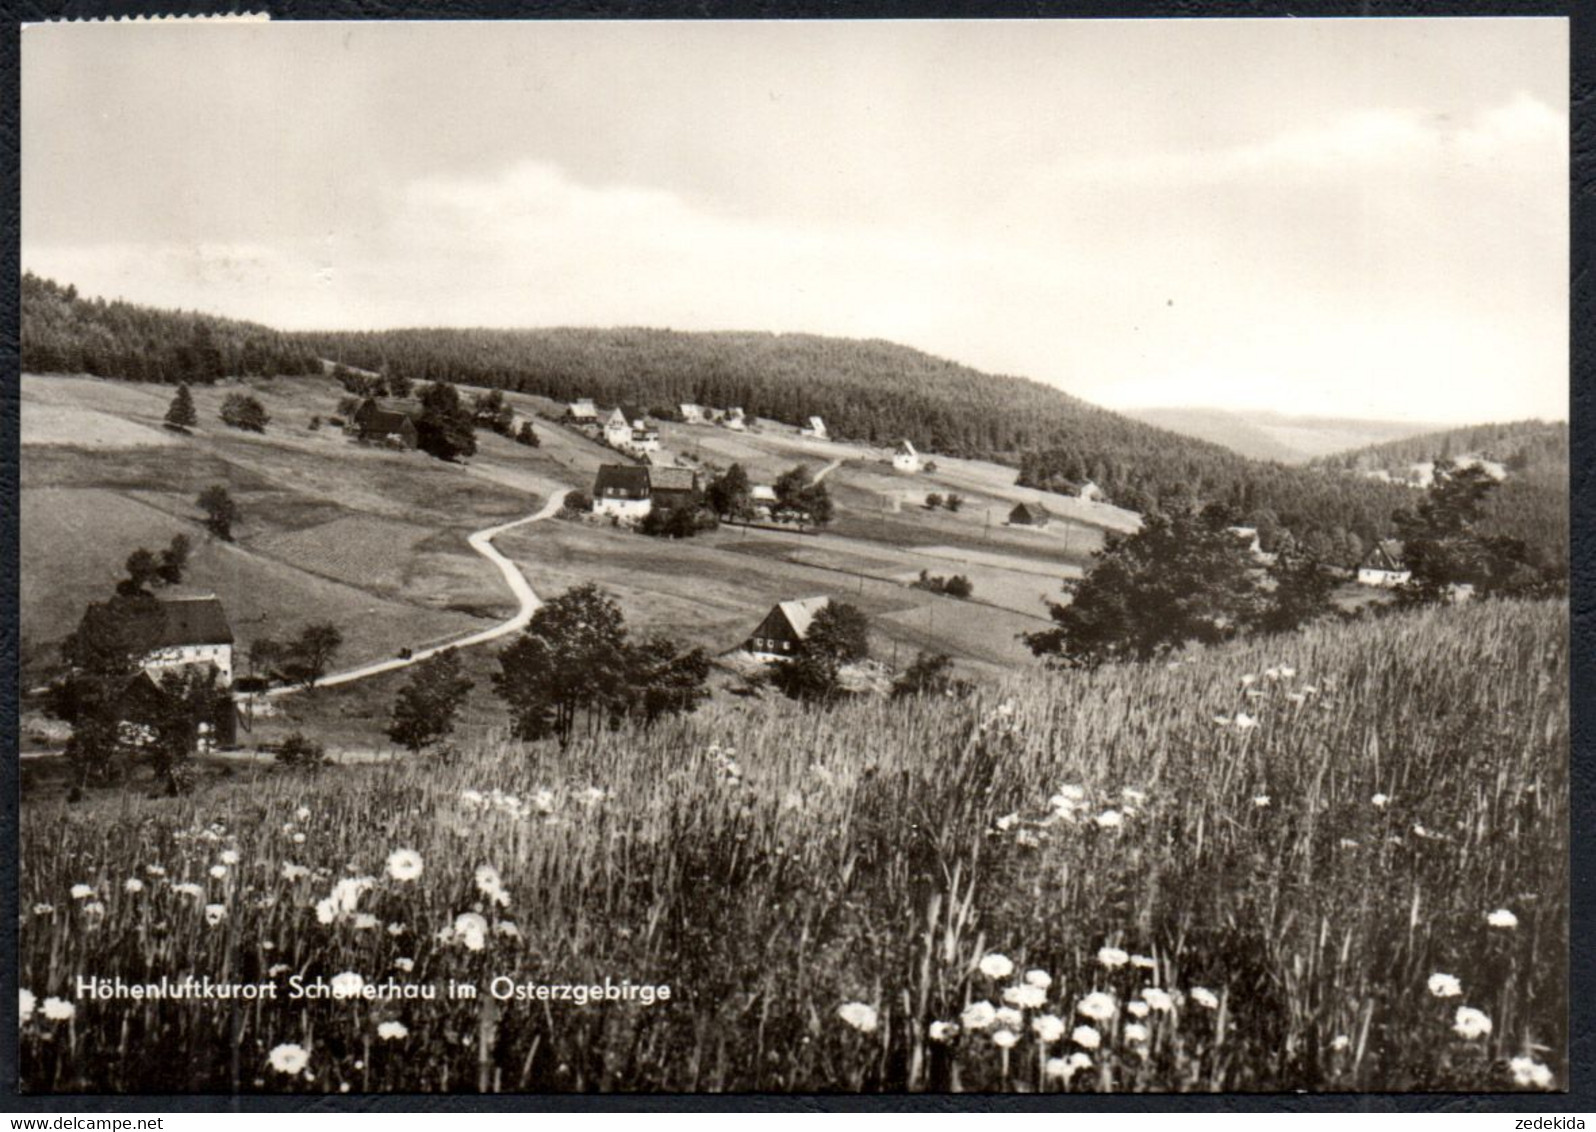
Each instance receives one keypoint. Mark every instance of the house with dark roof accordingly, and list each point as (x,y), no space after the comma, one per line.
(1029,515)
(622,491)
(386,424)
(1384,565)
(784,628)
(171,631)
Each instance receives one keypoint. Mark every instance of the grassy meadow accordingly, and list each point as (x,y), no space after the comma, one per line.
(1328,891)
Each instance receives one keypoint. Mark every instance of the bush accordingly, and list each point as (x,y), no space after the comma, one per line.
(301,752)
(957,586)
(576,503)
(240,410)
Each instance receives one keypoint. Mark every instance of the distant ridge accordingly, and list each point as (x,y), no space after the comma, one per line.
(1264,435)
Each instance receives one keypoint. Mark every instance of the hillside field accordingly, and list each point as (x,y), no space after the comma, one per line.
(1328,901)
(375,540)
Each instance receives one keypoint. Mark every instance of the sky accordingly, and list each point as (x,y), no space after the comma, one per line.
(1355,218)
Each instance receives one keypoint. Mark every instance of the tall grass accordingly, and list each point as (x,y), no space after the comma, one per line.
(771,863)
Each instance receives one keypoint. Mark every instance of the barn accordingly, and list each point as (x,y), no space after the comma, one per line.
(622,491)
(381,424)
(1029,515)
(906,458)
(784,628)
(671,487)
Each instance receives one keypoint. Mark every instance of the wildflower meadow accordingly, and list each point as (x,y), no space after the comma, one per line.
(1331,861)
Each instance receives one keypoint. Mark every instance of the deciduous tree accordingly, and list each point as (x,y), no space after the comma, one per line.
(425,710)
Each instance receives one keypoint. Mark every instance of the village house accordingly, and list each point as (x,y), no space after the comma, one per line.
(816,428)
(169,633)
(906,458)
(173,631)
(784,628)
(1384,566)
(1029,515)
(1248,536)
(1090,492)
(691,413)
(622,491)
(392,424)
(617,429)
(582,411)
(628,431)
(670,487)
(645,438)
(735,420)
(763,498)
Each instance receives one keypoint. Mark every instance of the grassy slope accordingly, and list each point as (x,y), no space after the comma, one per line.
(858,856)
(372,540)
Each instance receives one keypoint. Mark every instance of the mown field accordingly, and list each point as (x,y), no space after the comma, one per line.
(1359,881)
(372,540)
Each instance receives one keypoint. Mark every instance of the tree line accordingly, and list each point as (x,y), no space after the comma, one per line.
(1186,578)
(63,332)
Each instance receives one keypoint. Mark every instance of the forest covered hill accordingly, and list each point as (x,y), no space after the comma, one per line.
(1518,446)
(63,332)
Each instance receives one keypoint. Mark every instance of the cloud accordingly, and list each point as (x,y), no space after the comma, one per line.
(1353,144)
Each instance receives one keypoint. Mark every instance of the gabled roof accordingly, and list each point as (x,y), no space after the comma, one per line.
(167,621)
(1030,512)
(673,479)
(762,493)
(800,614)
(617,417)
(630,478)
(905,448)
(584,404)
(816,423)
(1386,555)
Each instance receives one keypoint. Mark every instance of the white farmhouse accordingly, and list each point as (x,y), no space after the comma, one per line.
(622,491)
(906,458)
(645,438)
(735,420)
(691,413)
(817,429)
(583,410)
(172,632)
(617,429)
(1384,566)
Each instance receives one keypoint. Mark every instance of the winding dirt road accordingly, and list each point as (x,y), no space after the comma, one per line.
(482,542)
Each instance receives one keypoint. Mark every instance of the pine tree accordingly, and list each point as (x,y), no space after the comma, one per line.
(180,413)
